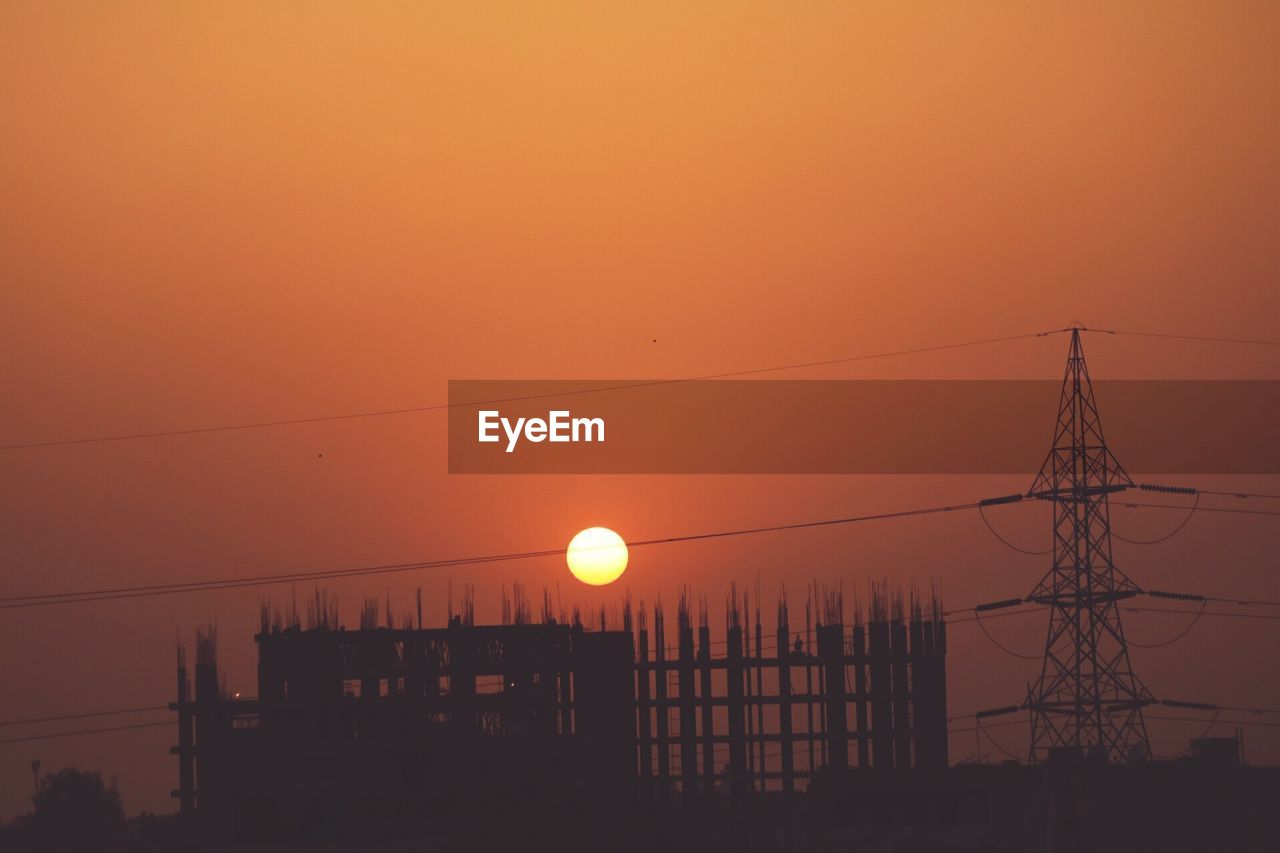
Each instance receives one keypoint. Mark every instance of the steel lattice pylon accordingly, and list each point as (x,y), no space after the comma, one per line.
(1087,695)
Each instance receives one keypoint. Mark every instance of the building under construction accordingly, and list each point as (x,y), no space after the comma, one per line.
(395,723)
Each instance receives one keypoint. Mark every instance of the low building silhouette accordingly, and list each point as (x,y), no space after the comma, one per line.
(384,728)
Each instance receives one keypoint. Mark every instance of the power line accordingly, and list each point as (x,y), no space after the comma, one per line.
(1128,504)
(1022,721)
(1196,616)
(1243,602)
(1251,710)
(1178,636)
(977,616)
(1239,494)
(982,513)
(31,445)
(994,742)
(1208,727)
(266,580)
(1128,608)
(1174,532)
(1191,511)
(1189,596)
(974,617)
(110,594)
(27,738)
(984,725)
(1202,338)
(1201,719)
(996,611)
(84,715)
(1264,616)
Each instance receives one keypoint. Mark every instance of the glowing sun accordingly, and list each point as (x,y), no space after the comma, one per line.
(597,556)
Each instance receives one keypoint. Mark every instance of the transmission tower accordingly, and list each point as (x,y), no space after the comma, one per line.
(1087,696)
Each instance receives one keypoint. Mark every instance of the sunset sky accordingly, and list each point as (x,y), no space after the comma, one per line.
(267,211)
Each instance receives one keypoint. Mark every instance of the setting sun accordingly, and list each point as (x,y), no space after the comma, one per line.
(597,556)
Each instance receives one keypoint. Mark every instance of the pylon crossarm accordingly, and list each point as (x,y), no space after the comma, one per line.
(1063,708)
(1076,709)
(1072,495)
(1082,600)
(1129,706)
(1196,706)
(997,712)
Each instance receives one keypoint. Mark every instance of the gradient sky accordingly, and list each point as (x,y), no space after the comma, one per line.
(254,212)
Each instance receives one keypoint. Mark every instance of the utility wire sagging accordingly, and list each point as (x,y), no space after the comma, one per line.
(979,612)
(733,374)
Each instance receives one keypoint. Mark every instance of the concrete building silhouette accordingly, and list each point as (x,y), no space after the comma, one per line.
(389,725)
(603,731)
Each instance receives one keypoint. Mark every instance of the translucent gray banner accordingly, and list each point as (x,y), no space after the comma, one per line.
(848,426)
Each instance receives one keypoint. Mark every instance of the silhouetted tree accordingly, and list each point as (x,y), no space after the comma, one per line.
(72,800)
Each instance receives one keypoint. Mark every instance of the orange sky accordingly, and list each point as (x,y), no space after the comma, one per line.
(250,214)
